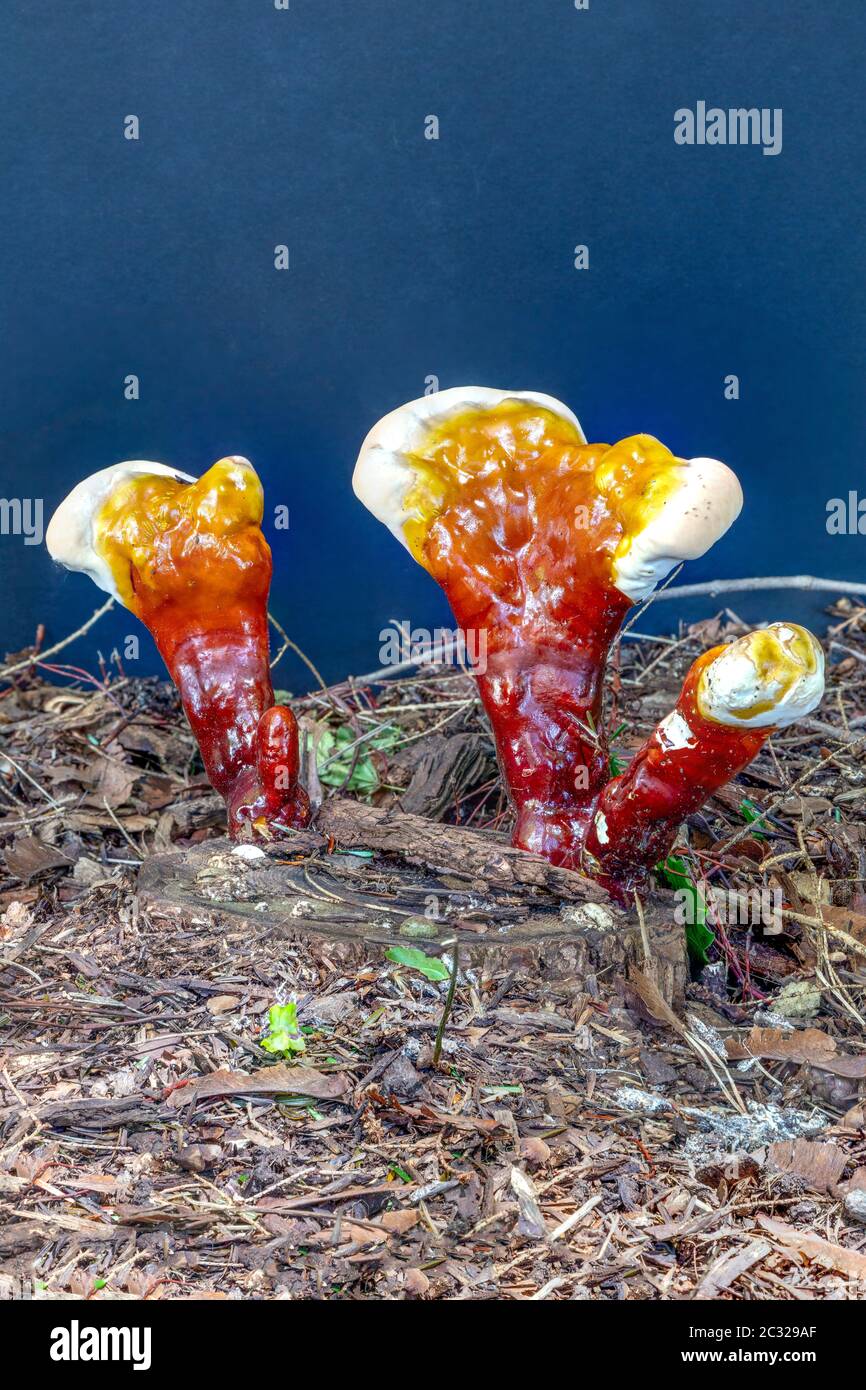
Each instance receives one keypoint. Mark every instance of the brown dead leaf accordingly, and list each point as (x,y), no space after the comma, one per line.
(399,1221)
(269,1081)
(349,1231)
(535,1152)
(813,1247)
(89,1182)
(847,920)
(650,995)
(415,1282)
(222,1003)
(28,856)
(820,1165)
(808,1047)
(114,784)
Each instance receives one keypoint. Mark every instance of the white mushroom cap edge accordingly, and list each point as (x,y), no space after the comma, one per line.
(70,534)
(706,502)
(733,685)
(384,474)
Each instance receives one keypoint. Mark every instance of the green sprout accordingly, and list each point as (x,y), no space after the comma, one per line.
(430,966)
(752,813)
(284,1034)
(674,871)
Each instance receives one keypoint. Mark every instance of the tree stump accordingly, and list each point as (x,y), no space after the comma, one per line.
(367,875)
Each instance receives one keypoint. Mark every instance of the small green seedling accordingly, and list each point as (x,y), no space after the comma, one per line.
(616,764)
(284,1034)
(342,760)
(430,966)
(674,871)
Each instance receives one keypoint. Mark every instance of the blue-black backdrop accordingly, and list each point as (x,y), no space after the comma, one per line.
(412,257)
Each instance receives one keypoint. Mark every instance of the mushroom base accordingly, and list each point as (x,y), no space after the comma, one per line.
(631,822)
(249,746)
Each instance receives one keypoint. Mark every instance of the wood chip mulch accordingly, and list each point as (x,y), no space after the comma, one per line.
(579,1138)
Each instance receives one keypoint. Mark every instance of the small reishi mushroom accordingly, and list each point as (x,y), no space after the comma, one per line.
(189,559)
(733,698)
(542,543)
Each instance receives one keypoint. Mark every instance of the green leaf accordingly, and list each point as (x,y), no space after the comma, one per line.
(674,871)
(616,764)
(335,754)
(431,966)
(284,1034)
(752,813)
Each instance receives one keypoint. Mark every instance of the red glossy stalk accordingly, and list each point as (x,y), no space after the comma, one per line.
(199,570)
(543,695)
(639,813)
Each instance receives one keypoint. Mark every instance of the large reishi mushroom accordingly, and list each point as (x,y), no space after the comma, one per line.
(189,559)
(542,543)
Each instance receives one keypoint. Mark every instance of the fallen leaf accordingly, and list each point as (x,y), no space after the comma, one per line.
(28,856)
(399,1221)
(651,997)
(415,1281)
(855,1118)
(809,1047)
(269,1081)
(114,784)
(813,1247)
(819,1165)
(222,1003)
(847,920)
(349,1231)
(535,1151)
(90,1182)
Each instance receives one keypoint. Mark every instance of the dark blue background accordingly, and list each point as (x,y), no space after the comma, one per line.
(411,257)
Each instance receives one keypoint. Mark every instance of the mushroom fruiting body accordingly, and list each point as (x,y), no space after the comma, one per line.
(733,698)
(542,543)
(189,559)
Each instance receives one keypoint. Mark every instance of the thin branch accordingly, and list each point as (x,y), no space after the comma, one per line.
(58,646)
(293,646)
(449,1000)
(761,582)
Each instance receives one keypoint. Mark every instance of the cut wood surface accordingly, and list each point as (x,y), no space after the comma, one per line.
(372,875)
(479,856)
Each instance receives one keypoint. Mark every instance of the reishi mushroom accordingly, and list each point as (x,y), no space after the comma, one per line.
(543,542)
(733,698)
(189,559)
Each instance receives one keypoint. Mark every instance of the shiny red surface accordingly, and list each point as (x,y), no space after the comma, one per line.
(542,690)
(204,598)
(644,808)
